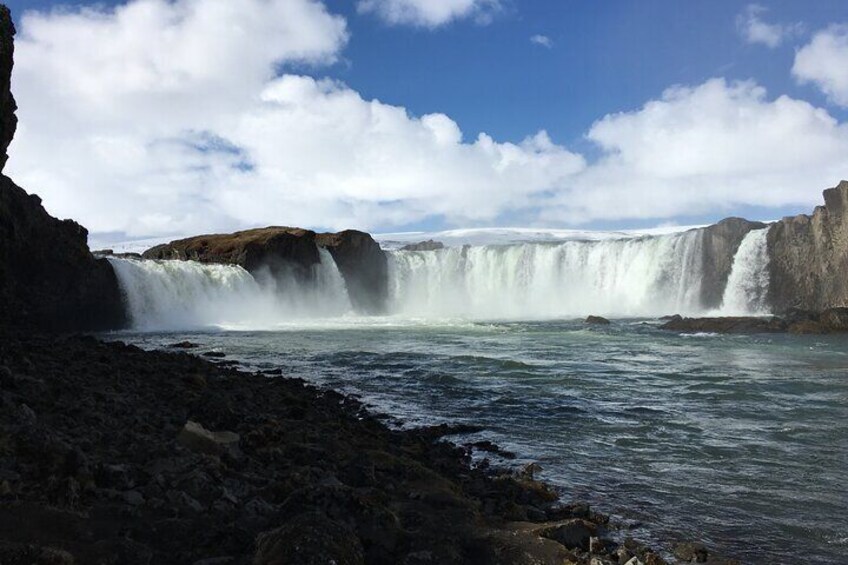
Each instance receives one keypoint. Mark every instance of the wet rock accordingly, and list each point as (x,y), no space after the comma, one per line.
(573,534)
(215,354)
(309,539)
(807,327)
(835,319)
(197,438)
(726,325)
(597,321)
(184,345)
(691,552)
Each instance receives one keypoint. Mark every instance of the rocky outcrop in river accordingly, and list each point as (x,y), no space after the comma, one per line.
(48,278)
(293,251)
(721,241)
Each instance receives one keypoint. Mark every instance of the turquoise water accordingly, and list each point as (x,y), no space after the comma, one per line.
(739,441)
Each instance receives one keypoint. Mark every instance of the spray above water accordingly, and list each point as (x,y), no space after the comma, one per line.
(746,293)
(171,295)
(626,277)
(632,277)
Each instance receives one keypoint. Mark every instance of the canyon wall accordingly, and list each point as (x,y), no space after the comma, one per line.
(809,256)
(48,278)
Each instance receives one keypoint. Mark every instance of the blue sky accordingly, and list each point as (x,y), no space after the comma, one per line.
(603,58)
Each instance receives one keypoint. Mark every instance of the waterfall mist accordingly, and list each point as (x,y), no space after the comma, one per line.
(644,276)
(635,277)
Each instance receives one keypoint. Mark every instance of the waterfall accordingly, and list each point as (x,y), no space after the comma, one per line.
(746,292)
(643,276)
(172,295)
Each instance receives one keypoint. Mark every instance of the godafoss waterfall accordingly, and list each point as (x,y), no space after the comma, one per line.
(739,440)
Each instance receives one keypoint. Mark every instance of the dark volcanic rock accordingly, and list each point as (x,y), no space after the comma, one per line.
(720,243)
(107,455)
(429,245)
(363,265)
(731,325)
(809,256)
(597,321)
(48,278)
(8,119)
(285,251)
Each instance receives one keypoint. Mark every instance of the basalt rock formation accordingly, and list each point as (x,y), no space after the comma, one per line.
(721,241)
(809,256)
(48,278)
(292,251)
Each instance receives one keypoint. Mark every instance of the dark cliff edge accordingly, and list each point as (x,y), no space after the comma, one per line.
(293,251)
(809,256)
(48,278)
(720,243)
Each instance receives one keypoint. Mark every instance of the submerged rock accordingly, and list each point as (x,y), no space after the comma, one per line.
(597,320)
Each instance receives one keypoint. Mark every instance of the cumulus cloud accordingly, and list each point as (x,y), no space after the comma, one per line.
(168,117)
(704,149)
(824,62)
(542,40)
(754,30)
(429,13)
(162,117)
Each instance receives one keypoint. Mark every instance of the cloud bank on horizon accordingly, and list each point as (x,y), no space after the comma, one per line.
(171,117)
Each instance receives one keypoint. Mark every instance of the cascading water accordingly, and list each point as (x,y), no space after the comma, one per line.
(626,277)
(747,287)
(187,294)
(629,277)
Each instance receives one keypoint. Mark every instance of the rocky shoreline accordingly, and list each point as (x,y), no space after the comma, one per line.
(112,454)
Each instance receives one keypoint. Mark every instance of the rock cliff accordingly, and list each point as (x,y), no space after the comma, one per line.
(809,256)
(285,250)
(720,243)
(48,278)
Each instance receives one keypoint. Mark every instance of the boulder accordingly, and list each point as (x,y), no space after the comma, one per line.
(597,321)
(197,438)
(691,552)
(573,534)
(309,539)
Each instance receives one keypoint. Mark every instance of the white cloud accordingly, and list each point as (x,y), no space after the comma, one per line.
(429,13)
(542,40)
(824,62)
(754,30)
(165,118)
(704,149)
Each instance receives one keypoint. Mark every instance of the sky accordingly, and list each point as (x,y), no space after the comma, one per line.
(148,118)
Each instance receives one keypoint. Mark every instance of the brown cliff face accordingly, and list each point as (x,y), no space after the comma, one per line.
(48,278)
(809,256)
(720,243)
(284,250)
